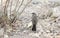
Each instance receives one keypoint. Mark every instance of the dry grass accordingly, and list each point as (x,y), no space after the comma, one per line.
(8,22)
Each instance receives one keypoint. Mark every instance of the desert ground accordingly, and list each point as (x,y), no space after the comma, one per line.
(48,18)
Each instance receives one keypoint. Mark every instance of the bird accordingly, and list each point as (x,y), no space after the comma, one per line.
(34,21)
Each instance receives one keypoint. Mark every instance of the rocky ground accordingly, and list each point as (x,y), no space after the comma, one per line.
(48,26)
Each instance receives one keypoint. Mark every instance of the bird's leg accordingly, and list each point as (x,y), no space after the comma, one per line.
(34,27)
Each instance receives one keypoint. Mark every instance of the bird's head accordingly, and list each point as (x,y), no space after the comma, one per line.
(33,13)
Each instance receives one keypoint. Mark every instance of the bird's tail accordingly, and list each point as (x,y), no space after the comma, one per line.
(34,27)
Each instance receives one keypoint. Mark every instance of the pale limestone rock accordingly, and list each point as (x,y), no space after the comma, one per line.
(6,36)
(1,31)
(56,11)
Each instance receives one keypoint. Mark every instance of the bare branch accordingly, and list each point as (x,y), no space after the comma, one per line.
(10,8)
(5,7)
(20,5)
(25,7)
(16,5)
